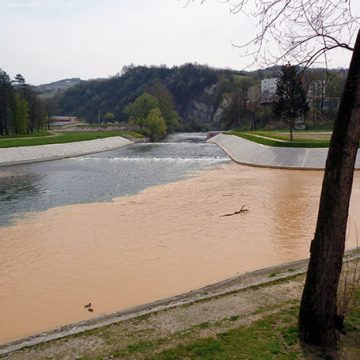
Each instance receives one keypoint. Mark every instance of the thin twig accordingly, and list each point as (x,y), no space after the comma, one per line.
(236,212)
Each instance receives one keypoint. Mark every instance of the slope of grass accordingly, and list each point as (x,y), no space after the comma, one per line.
(274,141)
(65,137)
(273,337)
(35,134)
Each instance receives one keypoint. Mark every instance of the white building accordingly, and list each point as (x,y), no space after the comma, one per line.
(268,89)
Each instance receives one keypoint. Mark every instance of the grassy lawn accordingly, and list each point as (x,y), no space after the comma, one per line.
(61,138)
(273,337)
(280,139)
(299,135)
(37,134)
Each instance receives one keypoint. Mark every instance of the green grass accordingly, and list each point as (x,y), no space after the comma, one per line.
(36,134)
(274,337)
(270,334)
(299,135)
(62,138)
(303,143)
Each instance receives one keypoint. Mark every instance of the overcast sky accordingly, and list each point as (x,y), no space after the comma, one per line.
(48,40)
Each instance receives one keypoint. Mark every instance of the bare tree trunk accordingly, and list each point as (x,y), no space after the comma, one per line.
(318,311)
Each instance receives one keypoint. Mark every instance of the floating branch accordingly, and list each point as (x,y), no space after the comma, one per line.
(236,212)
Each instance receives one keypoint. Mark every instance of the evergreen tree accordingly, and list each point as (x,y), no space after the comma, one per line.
(21,118)
(21,111)
(6,98)
(290,98)
(36,108)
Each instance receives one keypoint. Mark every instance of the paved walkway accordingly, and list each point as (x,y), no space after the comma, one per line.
(30,154)
(250,153)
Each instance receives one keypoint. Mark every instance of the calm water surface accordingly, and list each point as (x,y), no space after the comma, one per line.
(103,176)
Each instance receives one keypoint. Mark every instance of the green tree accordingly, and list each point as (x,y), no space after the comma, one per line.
(21,111)
(236,113)
(140,108)
(290,98)
(109,117)
(6,99)
(21,115)
(36,108)
(166,106)
(154,125)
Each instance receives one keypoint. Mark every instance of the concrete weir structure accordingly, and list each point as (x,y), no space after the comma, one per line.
(250,153)
(37,153)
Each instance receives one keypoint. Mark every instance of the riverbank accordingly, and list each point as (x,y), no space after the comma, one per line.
(37,153)
(136,249)
(250,153)
(258,310)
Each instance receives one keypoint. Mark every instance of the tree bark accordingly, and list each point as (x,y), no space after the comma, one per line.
(318,310)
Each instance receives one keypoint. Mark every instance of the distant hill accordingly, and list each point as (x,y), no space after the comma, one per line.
(53,88)
(192,87)
(206,98)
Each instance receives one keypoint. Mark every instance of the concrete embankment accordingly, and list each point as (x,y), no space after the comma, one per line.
(238,301)
(250,153)
(206,294)
(30,154)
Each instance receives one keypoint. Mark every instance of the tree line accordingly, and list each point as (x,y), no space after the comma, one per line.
(205,98)
(185,84)
(21,110)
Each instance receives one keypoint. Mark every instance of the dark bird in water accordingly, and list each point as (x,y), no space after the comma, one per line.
(90,309)
(87,305)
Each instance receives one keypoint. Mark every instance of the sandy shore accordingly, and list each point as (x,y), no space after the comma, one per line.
(31,154)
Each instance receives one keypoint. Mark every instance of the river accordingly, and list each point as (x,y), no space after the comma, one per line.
(103,176)
(130,226)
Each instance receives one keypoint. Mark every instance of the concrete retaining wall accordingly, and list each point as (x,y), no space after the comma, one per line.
(250,153)
(37,153)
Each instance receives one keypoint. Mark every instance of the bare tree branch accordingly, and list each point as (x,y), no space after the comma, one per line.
(296,31)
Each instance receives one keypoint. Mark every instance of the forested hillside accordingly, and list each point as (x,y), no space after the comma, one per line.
(205,98)
(191,86)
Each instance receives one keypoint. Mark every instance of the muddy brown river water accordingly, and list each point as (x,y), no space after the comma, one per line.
(166,240)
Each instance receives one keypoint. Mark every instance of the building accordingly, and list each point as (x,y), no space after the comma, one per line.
(268,90)
(63,120)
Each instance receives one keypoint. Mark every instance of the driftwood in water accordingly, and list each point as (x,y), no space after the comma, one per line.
(236,212)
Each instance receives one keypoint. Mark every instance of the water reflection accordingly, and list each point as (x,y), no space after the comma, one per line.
(17,188)
(103,176)
(144,247)
(291,209)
